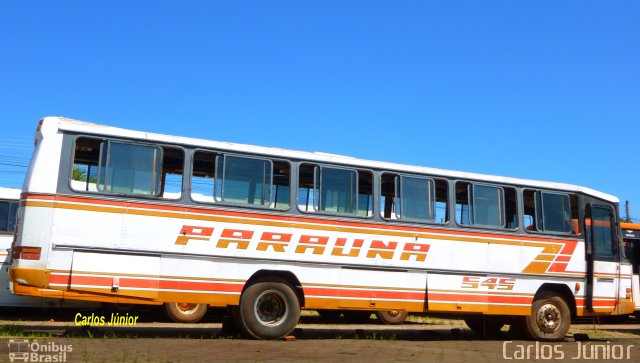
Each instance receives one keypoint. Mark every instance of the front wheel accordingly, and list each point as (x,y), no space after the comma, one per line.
(549,320)
(185,312)
(269,309)
(392,317)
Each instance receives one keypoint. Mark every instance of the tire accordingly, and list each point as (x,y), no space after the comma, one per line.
(185,312)
(269,309)
(484,325)
(392,317)
(330,314)
(550,318)
(357,316)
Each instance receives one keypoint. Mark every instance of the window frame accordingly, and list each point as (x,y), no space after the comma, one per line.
(102,140)
(550,233)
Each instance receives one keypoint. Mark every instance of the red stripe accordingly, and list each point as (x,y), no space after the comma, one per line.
(558,267)
(599,303)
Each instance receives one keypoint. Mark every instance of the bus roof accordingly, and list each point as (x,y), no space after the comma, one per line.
(71,125)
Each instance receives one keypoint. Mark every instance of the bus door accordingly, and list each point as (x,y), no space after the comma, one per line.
(603,271)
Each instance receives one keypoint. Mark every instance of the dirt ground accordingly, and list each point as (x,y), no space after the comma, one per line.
(419,340)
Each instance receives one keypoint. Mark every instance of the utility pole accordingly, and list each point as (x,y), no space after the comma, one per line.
(627,212)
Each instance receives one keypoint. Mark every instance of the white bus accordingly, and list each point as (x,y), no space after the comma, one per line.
(116,215)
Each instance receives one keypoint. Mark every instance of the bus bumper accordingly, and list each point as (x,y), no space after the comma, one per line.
(23,290)
(29,276)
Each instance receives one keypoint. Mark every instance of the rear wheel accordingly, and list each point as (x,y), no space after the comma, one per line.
(549,320)
(484,325)
(392,317)
(269,309)
(185,312)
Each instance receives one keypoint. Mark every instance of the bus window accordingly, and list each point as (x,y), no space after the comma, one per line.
(281,184)
(365,193)
(442,201)
(335,190)
(307,188)
(232,179)
(85,165)
(172,173)
(413,198)
(602,232)
(130,168)
(463,203)
(550,212)
(124,168)
(338,190)
(485,205)
(388,196)
(510,207)
(8,212)
(243,180)
(203,176)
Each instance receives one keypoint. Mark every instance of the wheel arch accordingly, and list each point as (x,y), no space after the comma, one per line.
(288,276)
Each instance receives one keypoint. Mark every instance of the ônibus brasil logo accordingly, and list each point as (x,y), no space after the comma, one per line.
(22,350)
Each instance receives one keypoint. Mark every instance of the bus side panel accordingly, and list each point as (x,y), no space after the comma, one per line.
(383,289)
(118,274)
(213,281)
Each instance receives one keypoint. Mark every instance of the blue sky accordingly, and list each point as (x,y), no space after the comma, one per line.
(540,89)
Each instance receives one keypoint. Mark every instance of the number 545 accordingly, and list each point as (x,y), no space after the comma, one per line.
(491,283)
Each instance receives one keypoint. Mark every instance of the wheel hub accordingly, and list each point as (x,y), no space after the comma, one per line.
(270,308)
(393,313)
(548,318)
(186,308)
